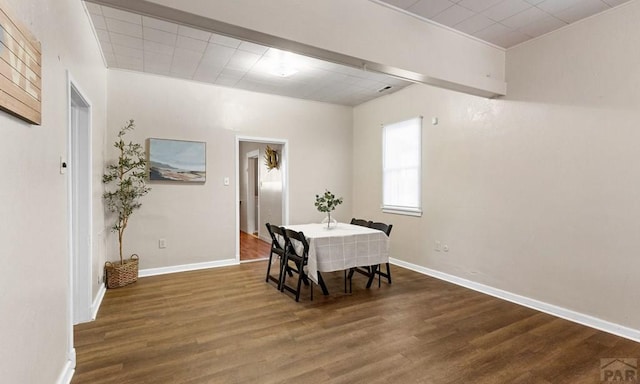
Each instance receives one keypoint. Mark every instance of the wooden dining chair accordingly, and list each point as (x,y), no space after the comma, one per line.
(360,222)
(295,260)
(386,228)
(278,247)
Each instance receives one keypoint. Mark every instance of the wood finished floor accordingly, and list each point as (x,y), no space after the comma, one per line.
(226,325)
(252,248)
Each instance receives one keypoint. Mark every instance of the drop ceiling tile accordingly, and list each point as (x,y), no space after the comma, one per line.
(534,2)
(110,57)
(103,35)
(123,27)
(119,50)
(106,47)
(191,44)
(478,5)
(126,41)
(253,48)
(159,36)
(205,76)
(242,60)
(429,8)
(129,62)
(506,9)
(224,40)
(510,39)
(122,15)
(543,26)
(158,59)
(218,53)
(584,9)
(453,15)
(162,25)
(131,66)
(226,81)
(184,71)
(94,9)
(554,6)
(474,24)
(185,62)
(151,46)
(210,70)
(158,68)
(194,33)
(492,32)
(403,4)
(525,17)
(98,22)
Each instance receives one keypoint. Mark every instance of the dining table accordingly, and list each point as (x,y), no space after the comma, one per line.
(342,247)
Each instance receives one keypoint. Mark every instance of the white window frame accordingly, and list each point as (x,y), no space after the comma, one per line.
(398,209)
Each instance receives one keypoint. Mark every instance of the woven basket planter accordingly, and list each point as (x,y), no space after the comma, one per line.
(119,275)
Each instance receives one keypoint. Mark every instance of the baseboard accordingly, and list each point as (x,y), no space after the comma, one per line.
(69,369)
(98,301)
(564,313)
(186,267)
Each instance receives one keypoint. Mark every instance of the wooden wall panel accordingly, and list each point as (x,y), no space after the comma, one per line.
(20,70)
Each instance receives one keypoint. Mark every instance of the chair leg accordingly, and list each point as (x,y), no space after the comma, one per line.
(300,274)
(269,266)
(283,276)
(389,273)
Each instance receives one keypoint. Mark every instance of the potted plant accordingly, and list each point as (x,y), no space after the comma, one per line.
(128,176)
(327,203)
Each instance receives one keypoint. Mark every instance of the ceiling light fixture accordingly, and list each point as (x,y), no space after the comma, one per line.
(283,71)
(283,64)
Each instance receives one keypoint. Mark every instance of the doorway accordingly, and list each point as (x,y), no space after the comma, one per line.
(262,195)
(78,166)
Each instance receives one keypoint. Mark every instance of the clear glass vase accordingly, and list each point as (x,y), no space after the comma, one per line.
(330,221)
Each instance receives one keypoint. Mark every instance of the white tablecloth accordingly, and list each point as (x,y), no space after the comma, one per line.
(343,247)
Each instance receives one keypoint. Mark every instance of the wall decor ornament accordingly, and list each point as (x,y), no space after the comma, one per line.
(271,158)
(177,160)
(21,80)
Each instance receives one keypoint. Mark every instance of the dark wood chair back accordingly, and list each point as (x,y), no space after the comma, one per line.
(360,222)
(386,228)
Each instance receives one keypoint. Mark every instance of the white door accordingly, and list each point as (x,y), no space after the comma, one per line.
(253,201)
(79,174)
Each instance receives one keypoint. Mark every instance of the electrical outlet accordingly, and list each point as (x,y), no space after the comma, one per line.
(162,243)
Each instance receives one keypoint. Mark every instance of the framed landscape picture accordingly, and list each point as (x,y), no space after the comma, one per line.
(176,160)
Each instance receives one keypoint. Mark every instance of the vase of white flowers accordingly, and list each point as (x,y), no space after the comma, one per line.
(327,203)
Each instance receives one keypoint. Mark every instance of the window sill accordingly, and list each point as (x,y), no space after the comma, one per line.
(403,211)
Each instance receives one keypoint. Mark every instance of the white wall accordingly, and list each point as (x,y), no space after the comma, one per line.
(198,221)
(34,227)
(366,30)
(537,193)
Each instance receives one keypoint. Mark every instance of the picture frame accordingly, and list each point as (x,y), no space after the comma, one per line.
(180,161)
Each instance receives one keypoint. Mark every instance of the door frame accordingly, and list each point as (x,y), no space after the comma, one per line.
(284,168)
(80,274)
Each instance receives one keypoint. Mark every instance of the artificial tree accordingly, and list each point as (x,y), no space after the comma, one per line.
(128,175)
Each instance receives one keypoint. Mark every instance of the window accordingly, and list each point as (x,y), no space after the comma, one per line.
(401,167)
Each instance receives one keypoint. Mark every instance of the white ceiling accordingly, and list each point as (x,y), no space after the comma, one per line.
(504,23)
(140,43)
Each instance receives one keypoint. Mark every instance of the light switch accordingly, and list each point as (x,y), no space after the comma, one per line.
(63,166)
(226,181)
